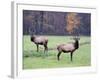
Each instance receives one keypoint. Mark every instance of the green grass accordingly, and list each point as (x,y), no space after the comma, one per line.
(33,59)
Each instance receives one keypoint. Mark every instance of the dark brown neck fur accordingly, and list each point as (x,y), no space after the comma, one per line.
(76,44)
(32,38)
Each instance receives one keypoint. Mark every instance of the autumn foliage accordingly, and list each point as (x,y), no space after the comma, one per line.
(73,21)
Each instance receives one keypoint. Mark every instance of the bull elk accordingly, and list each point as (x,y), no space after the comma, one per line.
(68,48)
(40,40)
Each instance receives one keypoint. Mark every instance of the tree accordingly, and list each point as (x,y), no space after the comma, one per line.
(73,22)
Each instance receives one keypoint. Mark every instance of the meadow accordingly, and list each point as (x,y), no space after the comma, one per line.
(36,60)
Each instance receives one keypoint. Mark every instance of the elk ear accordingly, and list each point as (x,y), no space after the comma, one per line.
(79,38)
(73,38)
(76,38)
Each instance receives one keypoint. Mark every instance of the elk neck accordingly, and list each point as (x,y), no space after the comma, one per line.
(76,44)
(32,38)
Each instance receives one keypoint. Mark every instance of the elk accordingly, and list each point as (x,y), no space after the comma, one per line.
(40,40)
(68,48)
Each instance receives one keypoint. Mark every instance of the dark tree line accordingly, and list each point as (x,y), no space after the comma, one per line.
(53,23)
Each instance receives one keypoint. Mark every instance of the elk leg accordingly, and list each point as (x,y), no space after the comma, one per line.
(37,47)
(58,56)
(71,55)
(45,48)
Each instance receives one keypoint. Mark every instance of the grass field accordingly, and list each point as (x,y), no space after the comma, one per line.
(33,59)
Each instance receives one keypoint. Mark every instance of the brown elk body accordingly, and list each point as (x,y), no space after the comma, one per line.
(66,48)
(40,40)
